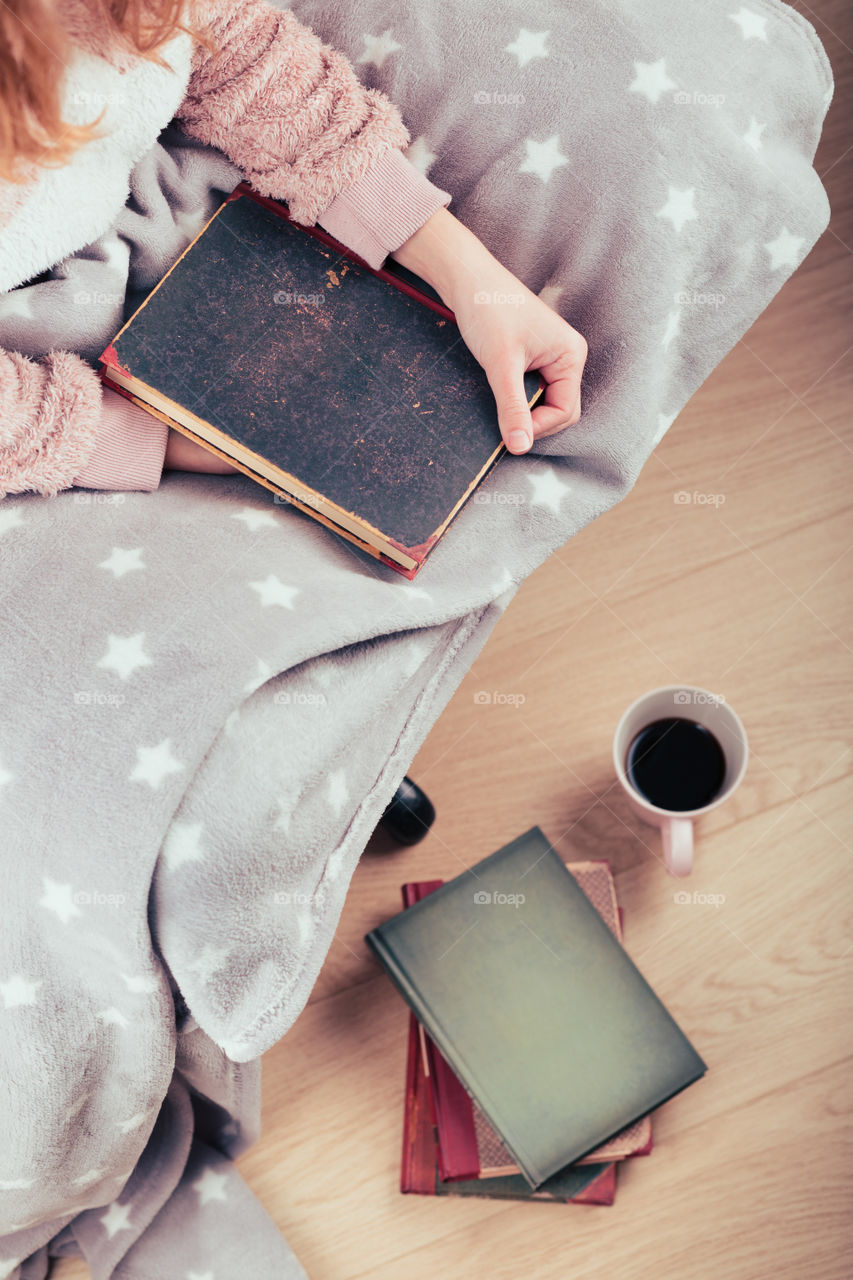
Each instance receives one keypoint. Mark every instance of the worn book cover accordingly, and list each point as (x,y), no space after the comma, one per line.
(468,1146)
(536,1006)
(348,391)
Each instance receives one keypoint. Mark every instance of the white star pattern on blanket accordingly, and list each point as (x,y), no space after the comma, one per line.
(651,80)
(679,207)
(664,424)
(140,985)
(503,584)
(334,864)
(543,157)
(324,674)
(135,1122)
(551,294)
(10,519)
(548,489)
(415,592)
(153,764)
(273,591)
(121,562)
(17,304)
(255,520)
(117,1218)
(114,253)
(209,961)
(785,250)
(337,791)
(752,25)
(415,655)
(673,326)
(528,45)
(261,676)
(58,899)
(18,990)
(183,844)
(378,48)
(86,1179)
(304,924)
(125,655)
(420,155)
(282,821)
(113,1017)
(210,1186)
(752,137)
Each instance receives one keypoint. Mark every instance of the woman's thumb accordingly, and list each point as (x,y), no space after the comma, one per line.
(506,378)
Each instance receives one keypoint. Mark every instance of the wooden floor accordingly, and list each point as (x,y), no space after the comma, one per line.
(750,1178)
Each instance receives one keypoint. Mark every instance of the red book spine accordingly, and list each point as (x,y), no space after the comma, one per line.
(458,1156)
(420,1149)
(417,1171)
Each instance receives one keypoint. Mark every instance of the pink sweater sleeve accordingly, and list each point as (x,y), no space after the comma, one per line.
(59,427)
(130,448)
(291,113)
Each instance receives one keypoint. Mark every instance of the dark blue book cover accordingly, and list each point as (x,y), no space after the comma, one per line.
(347,391)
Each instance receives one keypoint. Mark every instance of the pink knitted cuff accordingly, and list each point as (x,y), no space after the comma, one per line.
(130,448)
(387,204)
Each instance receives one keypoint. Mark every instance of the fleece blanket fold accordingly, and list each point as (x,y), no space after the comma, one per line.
(208,699)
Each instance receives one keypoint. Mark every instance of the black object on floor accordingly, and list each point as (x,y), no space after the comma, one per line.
(410,814)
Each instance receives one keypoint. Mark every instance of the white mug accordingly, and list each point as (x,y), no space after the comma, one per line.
(688,703)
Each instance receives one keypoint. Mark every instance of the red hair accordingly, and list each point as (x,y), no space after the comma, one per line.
(34,45)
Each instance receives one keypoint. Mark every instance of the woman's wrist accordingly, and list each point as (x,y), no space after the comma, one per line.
(183,454)
(448,256)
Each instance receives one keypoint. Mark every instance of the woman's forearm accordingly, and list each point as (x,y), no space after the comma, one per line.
(447,255)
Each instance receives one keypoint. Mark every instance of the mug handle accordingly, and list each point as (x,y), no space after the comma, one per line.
(677,835)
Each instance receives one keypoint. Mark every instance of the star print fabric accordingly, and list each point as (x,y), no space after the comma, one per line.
(209,699)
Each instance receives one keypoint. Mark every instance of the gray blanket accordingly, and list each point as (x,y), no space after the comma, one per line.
(208,699)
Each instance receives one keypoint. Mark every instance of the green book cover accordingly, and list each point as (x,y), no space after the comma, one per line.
(539,1010)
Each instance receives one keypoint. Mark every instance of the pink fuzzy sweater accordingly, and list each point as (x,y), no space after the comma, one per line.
(291,114)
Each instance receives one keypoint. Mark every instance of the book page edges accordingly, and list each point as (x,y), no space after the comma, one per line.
(365,535)
(255,467)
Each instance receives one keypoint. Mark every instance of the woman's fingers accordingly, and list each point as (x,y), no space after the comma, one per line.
(505,372)
(561,406)
(507,341)
(549,419)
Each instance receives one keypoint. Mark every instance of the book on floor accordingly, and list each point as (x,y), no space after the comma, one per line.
(536,1006)
(419,1174)
(347,391)
(467,1145)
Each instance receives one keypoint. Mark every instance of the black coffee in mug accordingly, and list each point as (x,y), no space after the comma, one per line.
(676,764)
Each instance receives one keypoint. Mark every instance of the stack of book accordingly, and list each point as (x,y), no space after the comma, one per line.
(536,1050)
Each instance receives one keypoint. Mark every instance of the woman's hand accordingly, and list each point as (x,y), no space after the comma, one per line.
(504,325)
